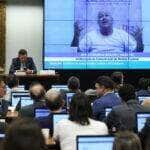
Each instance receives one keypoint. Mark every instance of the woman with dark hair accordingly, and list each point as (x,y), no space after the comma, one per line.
(127,141)
(24,134)
(145,135)
(79,123)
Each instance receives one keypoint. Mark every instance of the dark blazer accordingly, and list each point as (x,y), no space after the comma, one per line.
(16,64)
(99,105)
(122,117)
(28,111)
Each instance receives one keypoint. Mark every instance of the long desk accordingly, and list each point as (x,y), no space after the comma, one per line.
(46,80)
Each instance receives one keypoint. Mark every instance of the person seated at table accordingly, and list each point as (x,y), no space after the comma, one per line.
(105,90)
(78,123)
(24,134)
(23,63)
(145,135)
(3,103)
(144,84)
(122,117)
(12,83)
(37,94)
(54,102)
(127,141)
(118,78)
(73,84)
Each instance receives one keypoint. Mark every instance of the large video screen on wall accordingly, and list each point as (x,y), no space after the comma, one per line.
(96,34)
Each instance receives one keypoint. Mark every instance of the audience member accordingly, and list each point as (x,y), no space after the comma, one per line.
(3,103)
(24,134)
(144,84)
(37,94)
(145,135)
(79,123)
(12,83)
(117,77)
(122,117)
(104,88)
(73,84)
(127,141)
(54,102)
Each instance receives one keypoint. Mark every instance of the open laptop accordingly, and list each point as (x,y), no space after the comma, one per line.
(69,98)
(25,101)
(95,142)
(141,118)
(107,111)
(41,112)
(142,98)
(3,125)
(60,87)
(58,117)
(2,136)
(16,97)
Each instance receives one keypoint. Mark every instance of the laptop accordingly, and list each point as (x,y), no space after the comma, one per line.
(3,125)
(107,111)
(2,136)
(69,98)
(142,98)
(141,118)
(58,117)
(60,87)
(21,88)
(25,101)
(94,142)
(16,97)
(41,112)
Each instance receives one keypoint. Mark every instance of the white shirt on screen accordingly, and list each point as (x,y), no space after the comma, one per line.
(118,41)
(66,132)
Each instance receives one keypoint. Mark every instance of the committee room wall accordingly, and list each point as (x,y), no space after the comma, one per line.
(24,29)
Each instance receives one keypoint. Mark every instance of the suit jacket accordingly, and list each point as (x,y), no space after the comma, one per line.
(28,111)
(122,117)
(99,105)
(16,64)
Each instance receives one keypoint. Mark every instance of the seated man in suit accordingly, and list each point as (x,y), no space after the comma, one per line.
(104,89)
(37,94)
(55,103)
(23,63)
(122,117)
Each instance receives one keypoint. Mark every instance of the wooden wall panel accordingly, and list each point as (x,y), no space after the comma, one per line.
(2,34)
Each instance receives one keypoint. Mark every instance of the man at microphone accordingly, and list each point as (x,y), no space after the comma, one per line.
(23,63)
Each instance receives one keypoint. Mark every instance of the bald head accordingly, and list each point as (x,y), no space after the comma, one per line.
(54,100)
(37,92)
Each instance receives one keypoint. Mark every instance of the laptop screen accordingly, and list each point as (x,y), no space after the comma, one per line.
(25,101)
(69,98)
(59,87)
(107,111)
(21,88)
(2,135)
(142,98)
(94,142)
(41,112)
(16,97)
(141,119)
(57,117)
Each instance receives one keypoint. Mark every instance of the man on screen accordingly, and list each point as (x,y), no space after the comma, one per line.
(107,38)
(23,63)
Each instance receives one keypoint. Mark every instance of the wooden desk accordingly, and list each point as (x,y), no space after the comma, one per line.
(46,80)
